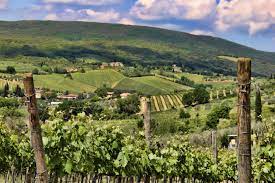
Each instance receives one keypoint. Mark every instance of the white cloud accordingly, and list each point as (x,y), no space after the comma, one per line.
(202,32)
(255,15)
(84,2)
(180,9)
(51,16)
(85,15)
(126,21)
(3,4)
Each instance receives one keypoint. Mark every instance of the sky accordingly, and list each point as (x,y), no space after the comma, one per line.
(248,22)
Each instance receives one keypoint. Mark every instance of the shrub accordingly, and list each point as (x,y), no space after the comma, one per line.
(35,71)
(187,98)
(217,113)
(201,96)
(10,70)
(129,105)
(184,115)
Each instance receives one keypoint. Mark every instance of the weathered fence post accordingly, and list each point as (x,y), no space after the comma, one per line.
(146,111)
(244,120)
(214,145)
(35,129)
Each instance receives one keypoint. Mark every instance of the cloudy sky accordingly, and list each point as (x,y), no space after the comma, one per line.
(249,22)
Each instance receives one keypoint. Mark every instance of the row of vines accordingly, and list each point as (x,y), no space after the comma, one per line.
(79,147)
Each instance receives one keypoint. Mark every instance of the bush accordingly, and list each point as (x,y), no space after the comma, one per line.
(102,91)
(10,70)
(35,71)
(184,115)
(187,98)
(129,105)
(216,114)
(201,96)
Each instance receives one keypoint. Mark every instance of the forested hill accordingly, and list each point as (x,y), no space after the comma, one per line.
(76,41)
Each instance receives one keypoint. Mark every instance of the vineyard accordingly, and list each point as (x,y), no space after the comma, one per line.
(77,151)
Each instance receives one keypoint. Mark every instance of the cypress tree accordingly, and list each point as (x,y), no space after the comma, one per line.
(258,105)
(6,90)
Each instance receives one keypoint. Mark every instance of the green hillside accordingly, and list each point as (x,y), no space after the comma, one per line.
(58,82)
(91,80)
(72,43)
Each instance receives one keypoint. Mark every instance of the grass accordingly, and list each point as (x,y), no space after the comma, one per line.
(98,78)
(60,83)
(131,84)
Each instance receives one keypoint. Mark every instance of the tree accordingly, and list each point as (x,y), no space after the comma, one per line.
(185,81)
(201,96)
(102,91)
(10,70)
(258,105)
(18,91)
(187,98)
(220,112)
(129,105)
(6,90)
(35,71)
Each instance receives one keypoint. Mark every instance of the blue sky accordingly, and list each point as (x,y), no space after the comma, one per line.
(249,22)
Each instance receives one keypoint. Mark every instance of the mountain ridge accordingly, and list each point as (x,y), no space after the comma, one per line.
(130,44)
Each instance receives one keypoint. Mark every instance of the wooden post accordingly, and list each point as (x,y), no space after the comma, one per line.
(35,129)
(214,145)
(244,121)
(146,111)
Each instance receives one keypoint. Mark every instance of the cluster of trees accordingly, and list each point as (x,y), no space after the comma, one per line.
(9,70)
(136,71)
(98,110)
(220,112)
(197,96)
(185,81)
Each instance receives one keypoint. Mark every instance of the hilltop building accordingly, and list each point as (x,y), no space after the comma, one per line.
(68,97)
(176,68)
(113,65)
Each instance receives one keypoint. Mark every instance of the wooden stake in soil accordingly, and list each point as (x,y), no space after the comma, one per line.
(214,145)
(244,120)
(35,129)
(146,111)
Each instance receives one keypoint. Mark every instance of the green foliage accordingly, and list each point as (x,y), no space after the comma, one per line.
(184,115)
(6,90)
(187,98)
(35,71)
(258,105)
(200,95)
(216,114)
(10,70)
(129,105)
(18,92)
(264,161)
(9,102)
(185,81)
(102,91)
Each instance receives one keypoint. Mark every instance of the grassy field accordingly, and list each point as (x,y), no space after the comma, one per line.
(91,80)
(98,78)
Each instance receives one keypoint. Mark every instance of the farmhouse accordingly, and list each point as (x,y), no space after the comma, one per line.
(116,64)
(124,95)
(176,68)
(68,97)
(39,93)
(111,65)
